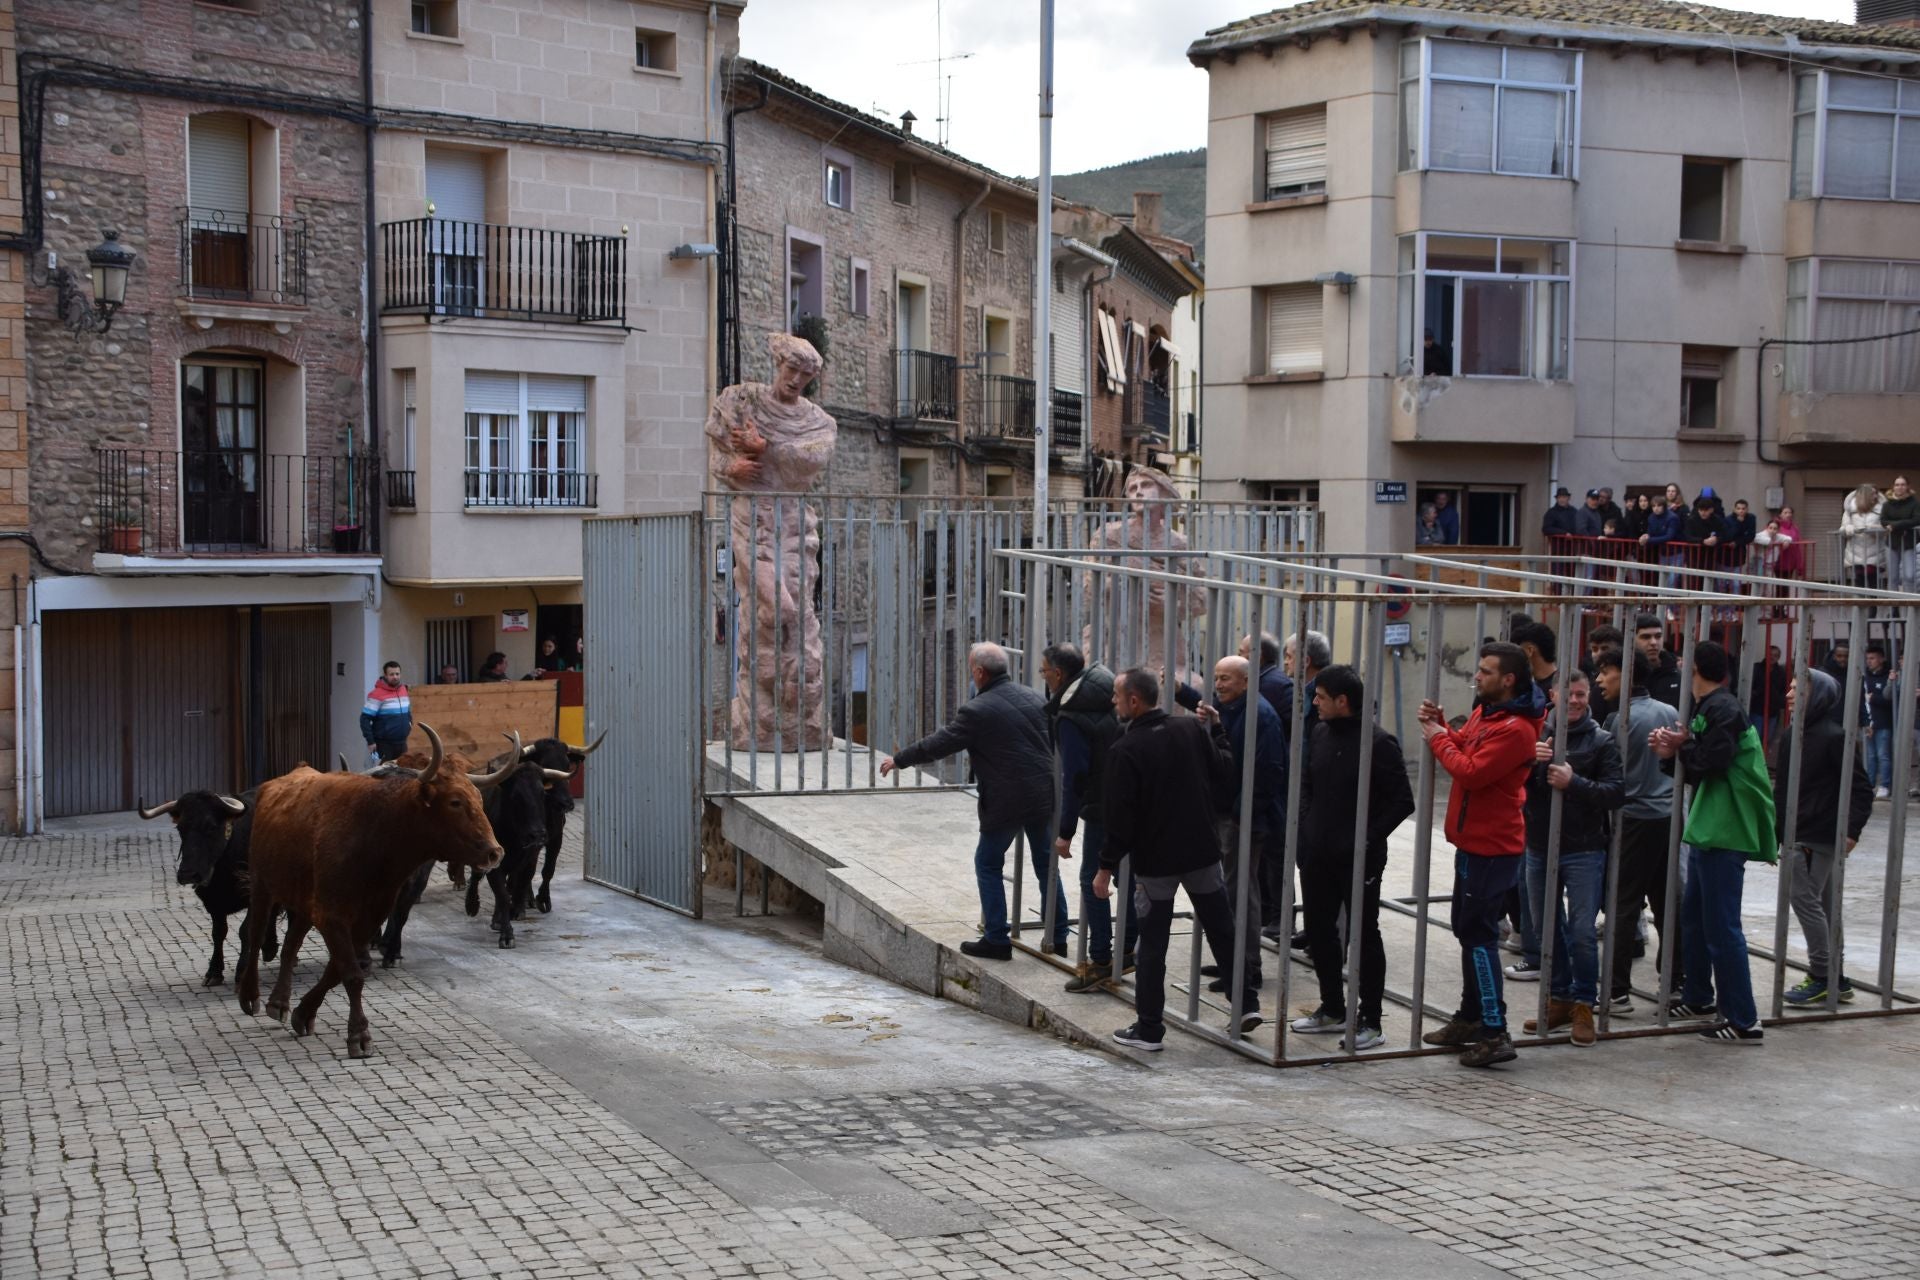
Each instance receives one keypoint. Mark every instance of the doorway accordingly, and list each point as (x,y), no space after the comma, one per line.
(222,424)
(565,625)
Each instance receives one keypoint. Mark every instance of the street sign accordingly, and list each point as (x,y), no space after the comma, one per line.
(1399,634)
(1389,490)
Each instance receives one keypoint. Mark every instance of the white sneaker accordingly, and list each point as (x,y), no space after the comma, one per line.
(1364,1038)
(1522,972)
(1880,793)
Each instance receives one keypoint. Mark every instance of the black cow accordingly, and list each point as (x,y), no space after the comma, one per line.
(554,755)
(517,808)
(214,831)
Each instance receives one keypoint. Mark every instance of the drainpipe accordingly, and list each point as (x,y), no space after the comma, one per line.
(36,723)
(19,722)
(713,229)
(377,498)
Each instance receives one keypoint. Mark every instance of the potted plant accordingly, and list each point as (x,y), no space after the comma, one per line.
(346,539)
(125,530)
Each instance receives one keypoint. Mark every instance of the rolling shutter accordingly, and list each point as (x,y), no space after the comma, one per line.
(217,166)
(556,392)
(492,392)
(1070,340)
(1293,328)
(1297,153)
(457,184)
(1818,517)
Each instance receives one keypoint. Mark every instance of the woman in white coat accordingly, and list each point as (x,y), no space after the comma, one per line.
(1863,542)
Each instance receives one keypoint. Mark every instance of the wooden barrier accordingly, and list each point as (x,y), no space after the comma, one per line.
(470,718)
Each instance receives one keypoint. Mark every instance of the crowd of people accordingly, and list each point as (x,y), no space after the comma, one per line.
(1159,791)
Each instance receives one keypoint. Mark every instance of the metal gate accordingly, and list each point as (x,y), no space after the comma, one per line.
(644,648)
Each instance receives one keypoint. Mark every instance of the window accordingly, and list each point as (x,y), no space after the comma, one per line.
(858,276)
(1842,298)
(1296,154)
(435,18)
(1703,199)
(1488,108)
(1293,328)
(526,440)
(1702,369)
(996,231)
(1855,137)
(839,193)
(653,50)
(903,182)
(806,280)
(1494,307)
(404,445)
(999,482)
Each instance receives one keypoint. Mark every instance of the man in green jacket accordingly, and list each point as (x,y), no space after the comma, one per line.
(1729,823)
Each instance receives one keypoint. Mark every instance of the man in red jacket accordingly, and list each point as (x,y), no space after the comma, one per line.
(1488,758)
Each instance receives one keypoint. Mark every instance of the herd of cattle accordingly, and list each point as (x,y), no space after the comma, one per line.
(349,854)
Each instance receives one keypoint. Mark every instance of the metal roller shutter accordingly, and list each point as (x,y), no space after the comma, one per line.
(1070,340)
(217,166)
(492,392)
(558,392)
(1293,328)
(1297,153)
(457,184)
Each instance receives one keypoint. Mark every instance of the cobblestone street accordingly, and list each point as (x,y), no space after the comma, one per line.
(626,1092)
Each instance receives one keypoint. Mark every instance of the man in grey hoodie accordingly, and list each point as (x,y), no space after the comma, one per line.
(1643,821)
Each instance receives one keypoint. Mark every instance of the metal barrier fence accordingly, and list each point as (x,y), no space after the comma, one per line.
(1242,594)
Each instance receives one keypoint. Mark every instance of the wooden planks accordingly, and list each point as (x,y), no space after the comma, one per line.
(470,718)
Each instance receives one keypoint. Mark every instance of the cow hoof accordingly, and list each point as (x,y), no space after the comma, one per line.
(302,1024)
(494,925)
(473,897)
(359,1048)
(456,875)
(214,978)
(387,961)
(250,1007)
(544,902)
(506,939)
(277,1011)
(519,913)
(269,951)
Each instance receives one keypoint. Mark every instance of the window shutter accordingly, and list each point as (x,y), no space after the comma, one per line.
(1070,342)
(492,392)
(1297,153)
(1116,370)
(406,388)
(1293,328)
(457,184)
(217,166)
(560,393)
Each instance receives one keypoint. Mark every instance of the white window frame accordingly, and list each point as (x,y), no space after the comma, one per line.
(489,433)
(1303,289)
(1804,322)
(1422,158)
(831,166)
(409,396)
(1905,114)
(996,219)
(1311,187)
(859,287)
(1419,279)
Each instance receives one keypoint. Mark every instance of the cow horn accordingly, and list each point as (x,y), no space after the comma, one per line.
(589,750)
(344,766)
(439,753)
(556,775)
(158,809)
(500,775)
(237,806)
(527,750)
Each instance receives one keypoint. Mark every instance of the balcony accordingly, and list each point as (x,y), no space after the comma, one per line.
(1004,412)
(925,387)
(1068,424)
(1147,410)
(575,489)
(400,490)
(237,258)
(164,502)
(441,267)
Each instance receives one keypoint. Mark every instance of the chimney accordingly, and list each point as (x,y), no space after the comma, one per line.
(1887,13)
(906,121)
(1147,206)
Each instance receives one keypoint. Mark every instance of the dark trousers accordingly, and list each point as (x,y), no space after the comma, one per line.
(1481,883)
(1229,831)
(1153,901)
(391,750)
(1643,882)
(1325,885)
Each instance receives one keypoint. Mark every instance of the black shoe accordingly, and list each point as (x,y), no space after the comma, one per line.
(1678,1008)
(1135,1037)
(1249,1020)
(1486,1053)
(1224,984)
(1054,948)
(981,949)
(1727,1033)
(1209,970)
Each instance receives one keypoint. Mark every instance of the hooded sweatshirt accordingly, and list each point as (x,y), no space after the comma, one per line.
(387,715)
(1489,758)
(1084,726)
(1826,735)
(1597,789)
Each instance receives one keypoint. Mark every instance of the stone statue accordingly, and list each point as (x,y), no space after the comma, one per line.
(766,439)
(1147,526)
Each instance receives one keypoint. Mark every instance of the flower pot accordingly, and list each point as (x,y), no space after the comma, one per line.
(124,539)
(346,539)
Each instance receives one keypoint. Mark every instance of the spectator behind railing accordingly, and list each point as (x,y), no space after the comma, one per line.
(1663,529)
(1793,557)
(1863,540)
(1428,532)
(1900,513)
(1639,512)
(1448,516)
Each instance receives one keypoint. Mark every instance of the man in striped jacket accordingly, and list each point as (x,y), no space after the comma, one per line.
(387,717)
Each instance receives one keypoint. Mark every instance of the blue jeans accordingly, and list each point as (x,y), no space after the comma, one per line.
(1576,949)
(1096,914)
(1879,744)
(1716,947)
(990,869)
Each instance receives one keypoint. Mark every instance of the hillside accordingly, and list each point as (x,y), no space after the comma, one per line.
(1180,175)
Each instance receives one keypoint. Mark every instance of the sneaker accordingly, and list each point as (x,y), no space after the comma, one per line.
(1209,970)
(1058,948)
(1880,793)
(1454,1034)
(1583,1033)
(1137,1037)
(1486,1053)
(1083,983)
(1320,1023)
(1621,1006)
(1512,943)
(1522,972)
(1679,1008)
(1364,1038)
(981,949)
(1274,933)
(1249,1020)
(1813,991)
(1727,1033)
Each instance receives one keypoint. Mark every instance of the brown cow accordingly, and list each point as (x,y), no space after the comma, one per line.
(333,849)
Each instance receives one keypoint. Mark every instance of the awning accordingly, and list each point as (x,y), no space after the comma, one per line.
(1172,351)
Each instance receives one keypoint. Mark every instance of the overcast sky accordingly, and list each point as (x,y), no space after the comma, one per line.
(1123,87)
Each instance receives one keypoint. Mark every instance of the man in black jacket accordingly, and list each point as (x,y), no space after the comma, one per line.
(1818,818)
(1080,714)
(1003,728)
(1663,681)
(1329,796)
(1163,779)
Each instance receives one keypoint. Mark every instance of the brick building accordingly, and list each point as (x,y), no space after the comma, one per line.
(203,495)
(16,565)
(912,267)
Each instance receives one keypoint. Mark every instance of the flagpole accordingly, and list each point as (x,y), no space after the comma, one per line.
(1042,344)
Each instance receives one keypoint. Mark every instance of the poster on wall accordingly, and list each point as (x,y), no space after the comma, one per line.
(513,619)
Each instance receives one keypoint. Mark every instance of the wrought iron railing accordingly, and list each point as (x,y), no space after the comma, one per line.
(925,385)
(163,502)
(243,258)
(532,488)
(1068,421)
(1005,409)
(1147,409)
(400,489)
(443,267)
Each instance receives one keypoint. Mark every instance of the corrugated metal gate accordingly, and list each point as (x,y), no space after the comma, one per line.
(644,635)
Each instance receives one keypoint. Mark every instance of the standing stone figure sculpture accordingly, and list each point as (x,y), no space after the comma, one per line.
(767,439)
(1135,630)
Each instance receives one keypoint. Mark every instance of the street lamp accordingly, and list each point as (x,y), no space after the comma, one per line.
(107,263)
